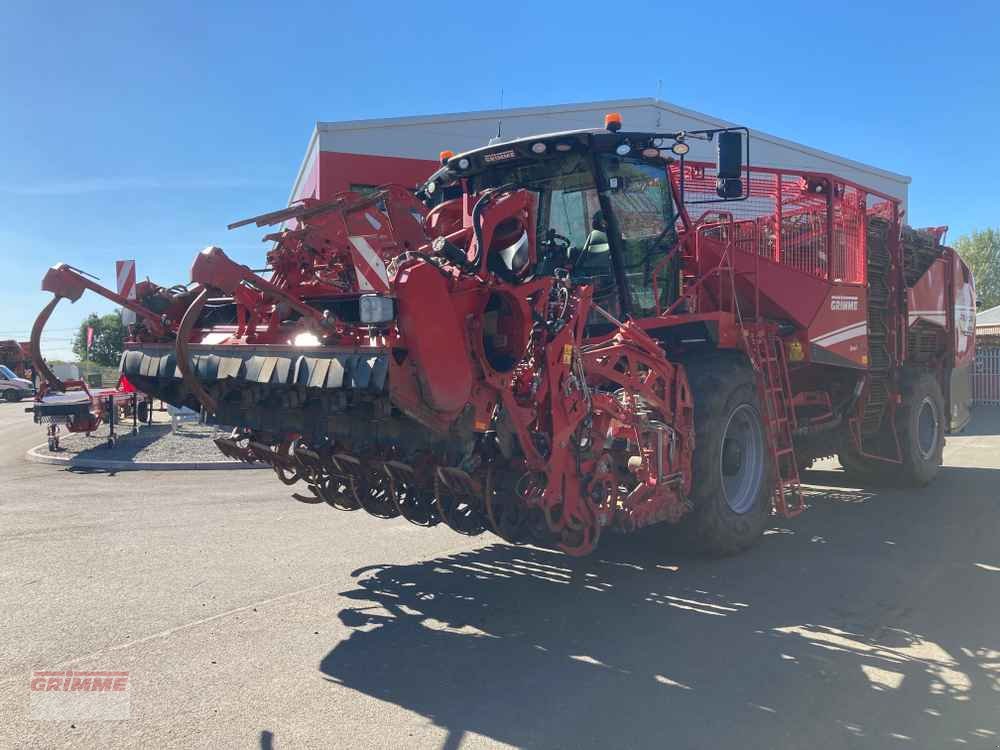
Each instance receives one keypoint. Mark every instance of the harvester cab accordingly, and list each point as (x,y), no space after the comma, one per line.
(602,204)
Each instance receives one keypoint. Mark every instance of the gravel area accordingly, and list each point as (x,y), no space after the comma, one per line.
(190,443)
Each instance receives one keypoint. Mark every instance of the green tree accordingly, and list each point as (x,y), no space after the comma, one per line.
(981,250)
(109,339)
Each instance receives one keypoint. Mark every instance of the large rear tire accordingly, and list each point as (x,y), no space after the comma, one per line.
(920,425)
(733,473)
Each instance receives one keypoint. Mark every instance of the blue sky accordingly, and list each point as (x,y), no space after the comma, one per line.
(139,130)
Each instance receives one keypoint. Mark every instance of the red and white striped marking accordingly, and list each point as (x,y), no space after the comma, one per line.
(840,335)
(125,271)
(371,272)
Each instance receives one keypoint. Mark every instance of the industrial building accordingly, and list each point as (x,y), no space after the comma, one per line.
(360,154)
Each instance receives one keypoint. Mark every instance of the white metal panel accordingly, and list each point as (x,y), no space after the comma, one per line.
(990,317)
(424,137)
(308,164)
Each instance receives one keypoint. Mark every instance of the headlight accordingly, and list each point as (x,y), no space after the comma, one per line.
(374,308)
(306,339)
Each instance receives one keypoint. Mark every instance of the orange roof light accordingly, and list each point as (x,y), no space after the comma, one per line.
(445,155)
(613,121)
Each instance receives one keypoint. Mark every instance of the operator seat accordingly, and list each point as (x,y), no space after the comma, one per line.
(592,265)
(594,258)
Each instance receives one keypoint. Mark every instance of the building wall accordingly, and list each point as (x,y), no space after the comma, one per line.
(419,140)
(346,171)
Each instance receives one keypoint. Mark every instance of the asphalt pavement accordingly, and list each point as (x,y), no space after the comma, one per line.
(247,620)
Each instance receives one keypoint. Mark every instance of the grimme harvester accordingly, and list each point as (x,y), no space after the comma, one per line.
(572,332)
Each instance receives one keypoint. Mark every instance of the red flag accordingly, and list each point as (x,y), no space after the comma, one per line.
(90,337)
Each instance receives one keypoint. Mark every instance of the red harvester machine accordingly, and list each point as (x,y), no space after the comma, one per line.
(579,331)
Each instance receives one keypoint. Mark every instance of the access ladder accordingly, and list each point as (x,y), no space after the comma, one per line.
(767,353)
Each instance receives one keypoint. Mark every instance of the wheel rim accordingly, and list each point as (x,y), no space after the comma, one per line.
(742,461)
(928,425)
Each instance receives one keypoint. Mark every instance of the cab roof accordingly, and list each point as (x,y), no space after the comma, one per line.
(478,160)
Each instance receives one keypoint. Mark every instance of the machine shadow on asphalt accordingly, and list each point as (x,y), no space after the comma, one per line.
(536,649)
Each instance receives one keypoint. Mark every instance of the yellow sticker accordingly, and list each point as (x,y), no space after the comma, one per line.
(567,354)
(795,352)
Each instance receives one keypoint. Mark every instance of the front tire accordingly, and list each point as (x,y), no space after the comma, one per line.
(11,395)
(733,472)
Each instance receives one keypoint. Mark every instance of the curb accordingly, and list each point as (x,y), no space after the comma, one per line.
(36,456)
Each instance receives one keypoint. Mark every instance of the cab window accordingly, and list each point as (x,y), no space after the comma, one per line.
(568,215)
(640,196)
(577,216)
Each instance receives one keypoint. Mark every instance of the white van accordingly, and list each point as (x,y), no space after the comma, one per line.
(13,388)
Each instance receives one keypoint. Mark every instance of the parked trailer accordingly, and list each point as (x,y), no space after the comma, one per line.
(82,409)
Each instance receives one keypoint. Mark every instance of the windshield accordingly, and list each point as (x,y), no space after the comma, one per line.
(5,371)
(564,186)
(571,169)
(568,204)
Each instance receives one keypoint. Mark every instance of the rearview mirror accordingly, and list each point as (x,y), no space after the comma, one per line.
(729,167)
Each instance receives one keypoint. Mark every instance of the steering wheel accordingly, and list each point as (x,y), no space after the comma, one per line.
(555,241)
(555,249)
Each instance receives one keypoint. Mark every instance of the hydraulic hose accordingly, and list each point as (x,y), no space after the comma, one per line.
(41,367)
(183,356)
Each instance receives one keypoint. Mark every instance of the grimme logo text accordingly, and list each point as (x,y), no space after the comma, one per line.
(70,681)
(843,303)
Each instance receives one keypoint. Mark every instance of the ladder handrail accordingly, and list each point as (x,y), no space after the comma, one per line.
(767,354)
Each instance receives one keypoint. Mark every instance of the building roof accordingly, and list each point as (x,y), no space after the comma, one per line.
(326,131)
(989,317)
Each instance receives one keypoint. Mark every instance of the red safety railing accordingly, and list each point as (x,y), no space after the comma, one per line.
(814,223)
